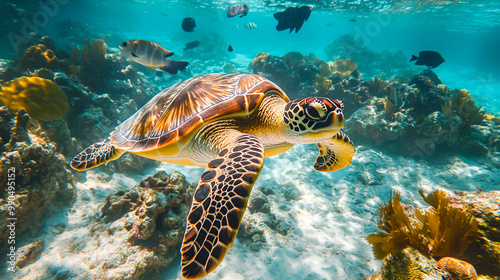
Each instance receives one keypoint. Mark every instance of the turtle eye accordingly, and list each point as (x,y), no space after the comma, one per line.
(124,44)
(312,113)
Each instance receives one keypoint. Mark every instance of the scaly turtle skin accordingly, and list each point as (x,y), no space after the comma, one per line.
(228,123)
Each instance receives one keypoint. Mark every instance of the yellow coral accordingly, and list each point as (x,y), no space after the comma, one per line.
(259,61)
(440,231)
(343,67)
(41,98)
(458,269)
(322,84)
(39,56)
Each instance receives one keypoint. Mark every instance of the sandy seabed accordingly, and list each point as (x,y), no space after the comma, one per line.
(318,226)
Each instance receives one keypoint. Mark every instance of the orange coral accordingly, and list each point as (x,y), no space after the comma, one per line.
(40,57)
(41,98)
(440,231)
(458,269)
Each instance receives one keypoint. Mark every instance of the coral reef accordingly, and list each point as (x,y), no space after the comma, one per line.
(408,264)
(41,98)
(42,181)
(440,231)
(482,255)
(154,214)
(484,252)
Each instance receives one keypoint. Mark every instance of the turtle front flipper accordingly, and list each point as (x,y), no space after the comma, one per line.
(218,205)
(95,155)
(334,154)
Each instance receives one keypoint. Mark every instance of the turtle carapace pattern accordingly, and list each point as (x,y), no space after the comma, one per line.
(227,124)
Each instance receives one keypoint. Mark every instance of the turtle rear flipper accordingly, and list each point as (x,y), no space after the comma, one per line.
(335,153)
(95,155)
(218,205)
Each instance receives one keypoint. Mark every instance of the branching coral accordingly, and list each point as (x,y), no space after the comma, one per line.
(439,231)
(41,98)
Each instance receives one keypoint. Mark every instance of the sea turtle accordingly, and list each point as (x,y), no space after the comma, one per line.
(229,124)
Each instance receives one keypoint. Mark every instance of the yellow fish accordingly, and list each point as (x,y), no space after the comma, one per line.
(151,55)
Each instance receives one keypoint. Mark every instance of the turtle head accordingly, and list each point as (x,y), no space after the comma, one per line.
(314,117)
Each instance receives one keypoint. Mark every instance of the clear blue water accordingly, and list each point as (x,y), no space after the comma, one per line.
(466,33)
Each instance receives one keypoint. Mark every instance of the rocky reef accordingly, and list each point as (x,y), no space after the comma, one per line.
(131,234)
(466,224)
(42,182)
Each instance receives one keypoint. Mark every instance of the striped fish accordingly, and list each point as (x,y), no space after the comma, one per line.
(151,55)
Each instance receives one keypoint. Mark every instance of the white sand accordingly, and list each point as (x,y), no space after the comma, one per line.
(328,217)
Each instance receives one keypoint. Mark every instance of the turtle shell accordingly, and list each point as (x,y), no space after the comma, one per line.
(176,113)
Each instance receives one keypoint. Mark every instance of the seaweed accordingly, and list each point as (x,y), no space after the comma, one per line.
(439,231)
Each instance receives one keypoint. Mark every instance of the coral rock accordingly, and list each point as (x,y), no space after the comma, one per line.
(408,264)
(41,98)
(41,178)
(459,270)
(29,253)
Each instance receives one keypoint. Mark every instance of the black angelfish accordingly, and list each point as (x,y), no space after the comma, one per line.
(191,45)
(430,59)
(188,24)
(230,48)
(292,18)
(238,9)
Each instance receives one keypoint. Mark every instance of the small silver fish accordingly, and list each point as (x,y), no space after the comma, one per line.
(250,25)
(151,55)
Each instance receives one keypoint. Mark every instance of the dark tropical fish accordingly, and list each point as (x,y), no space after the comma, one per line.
(230,48)
(188,24)
(430,59)
(151,55)
(352,20)
(292,18)
(329,24)
(238,9)
(191,45)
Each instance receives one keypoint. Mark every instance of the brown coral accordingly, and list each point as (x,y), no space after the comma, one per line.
(41,98)
(459,270)
(293,59)
(39,56)
(439,231)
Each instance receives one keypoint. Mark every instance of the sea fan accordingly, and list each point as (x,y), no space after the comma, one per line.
(439,231)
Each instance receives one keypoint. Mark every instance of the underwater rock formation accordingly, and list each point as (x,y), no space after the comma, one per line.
(42,181)
(408,264)
(484,252)
(153,213)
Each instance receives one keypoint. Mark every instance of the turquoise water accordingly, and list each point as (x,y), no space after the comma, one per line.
(466,33)
(316,223)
